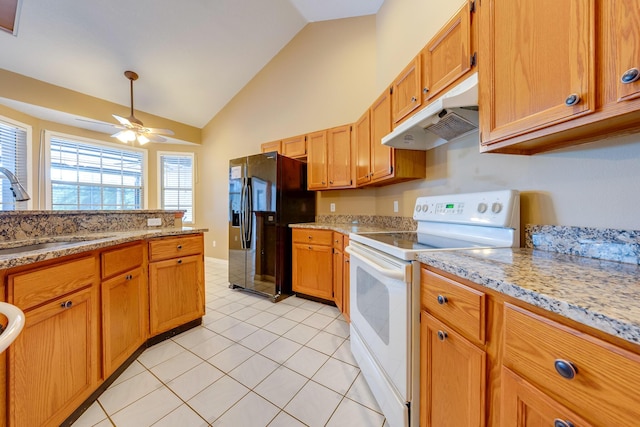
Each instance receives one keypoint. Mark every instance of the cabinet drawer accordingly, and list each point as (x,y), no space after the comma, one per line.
(317,237)
(461,307)
(119,260)
(338,239)
(174,247)
(34,287)
(604,387)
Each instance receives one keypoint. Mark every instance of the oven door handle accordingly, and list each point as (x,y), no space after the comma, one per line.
(398,274)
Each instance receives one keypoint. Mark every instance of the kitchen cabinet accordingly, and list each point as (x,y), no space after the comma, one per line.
(268,147)
(452,365)
(295,147)
(124,305)
(526,406)
(448,56)
(53,364)
(317,161)
(329,159)
(405,92)
(346,282)
(579,372)
(312,261)
(338,270)
(378,164)
(176,282)
(567,87)
(489,359)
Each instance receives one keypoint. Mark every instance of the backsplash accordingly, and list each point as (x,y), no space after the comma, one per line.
(390,222)
(19,225)
(600,243)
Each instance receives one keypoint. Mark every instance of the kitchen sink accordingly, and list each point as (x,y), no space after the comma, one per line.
(46,245)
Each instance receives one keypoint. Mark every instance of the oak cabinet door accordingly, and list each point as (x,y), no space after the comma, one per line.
(317,160)
(339,157)
(176,292)
(452,377)
(381,155)
(313,270)
(537,68)
(406,91)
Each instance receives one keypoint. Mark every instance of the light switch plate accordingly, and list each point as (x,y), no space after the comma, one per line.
(395,206)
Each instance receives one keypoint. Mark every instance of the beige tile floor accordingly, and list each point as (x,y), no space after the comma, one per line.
(252,363)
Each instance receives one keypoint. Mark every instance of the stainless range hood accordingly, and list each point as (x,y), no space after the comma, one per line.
(451,116)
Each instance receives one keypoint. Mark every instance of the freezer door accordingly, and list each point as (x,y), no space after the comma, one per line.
(237,222)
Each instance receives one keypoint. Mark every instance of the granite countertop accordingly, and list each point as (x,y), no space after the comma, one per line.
(602,294)
(77,243)
(344,228)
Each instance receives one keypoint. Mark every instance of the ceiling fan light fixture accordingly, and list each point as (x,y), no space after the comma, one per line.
(142,139)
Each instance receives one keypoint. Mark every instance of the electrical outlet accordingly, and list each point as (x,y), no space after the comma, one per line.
(214,243)
(332,207)
(395,206)
(154,222)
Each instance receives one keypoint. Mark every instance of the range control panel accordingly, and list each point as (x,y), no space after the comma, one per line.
(491,208)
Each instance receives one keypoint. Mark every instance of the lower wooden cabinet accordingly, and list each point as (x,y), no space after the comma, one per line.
(452,377)
(313,270)
(523,405)
(124,319)
(53,364)
(176,292)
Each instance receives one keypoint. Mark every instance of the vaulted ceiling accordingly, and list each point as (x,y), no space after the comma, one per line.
(192,56)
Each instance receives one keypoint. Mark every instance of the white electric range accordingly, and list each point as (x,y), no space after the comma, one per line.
(385,287)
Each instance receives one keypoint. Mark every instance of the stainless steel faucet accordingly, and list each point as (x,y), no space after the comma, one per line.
(19,192)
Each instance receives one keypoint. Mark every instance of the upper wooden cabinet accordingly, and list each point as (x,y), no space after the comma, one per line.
(448,55)
(330,159)
(379,164)
(295,147)
(406,91)
(553,73)
(267,147)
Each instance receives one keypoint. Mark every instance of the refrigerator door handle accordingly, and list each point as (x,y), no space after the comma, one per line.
(249,215)
(243,214)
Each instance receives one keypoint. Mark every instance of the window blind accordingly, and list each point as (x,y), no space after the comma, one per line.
(85,176)
(13,156)
(177,183)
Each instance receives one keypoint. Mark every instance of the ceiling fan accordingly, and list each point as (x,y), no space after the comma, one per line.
(132,128)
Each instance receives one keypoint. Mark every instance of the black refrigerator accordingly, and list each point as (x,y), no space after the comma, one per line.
(267,192)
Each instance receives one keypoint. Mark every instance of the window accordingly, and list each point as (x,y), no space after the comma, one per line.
(13,156)
(88,175)
(176,183)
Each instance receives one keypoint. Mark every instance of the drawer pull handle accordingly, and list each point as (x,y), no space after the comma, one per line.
(179,261)
(425,90)
(630,76)
(129,277)
(442,299)
(572,100)
(565,368)
(413,99)
(66,304)
(562,423)
(310,237)
(442,335)
(179,247)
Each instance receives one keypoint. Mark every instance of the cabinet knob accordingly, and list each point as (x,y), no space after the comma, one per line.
(129,277)
(179,247)
(562,423)
(310,237)
(66,304)
(310,248)
(331,182)
(630,76)
(425,90)
(565,368)
(442,299)
(442,335)
(179,261)
(413,99)
(323,183)
(572,100)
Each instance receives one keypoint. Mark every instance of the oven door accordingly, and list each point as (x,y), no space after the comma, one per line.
(380,292)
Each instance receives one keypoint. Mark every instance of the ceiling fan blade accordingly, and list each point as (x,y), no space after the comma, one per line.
(159,131)
(122,120)
(154,138)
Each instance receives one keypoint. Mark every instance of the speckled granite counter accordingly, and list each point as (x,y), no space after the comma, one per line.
(359,223)
(340,228)
(77,243)
(602,294)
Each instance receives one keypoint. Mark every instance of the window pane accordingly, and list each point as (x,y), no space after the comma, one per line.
(177,183)
(101,177)
(13,156)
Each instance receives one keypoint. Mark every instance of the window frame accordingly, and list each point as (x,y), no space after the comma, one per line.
(28,155)
(193,180)
(46,173)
